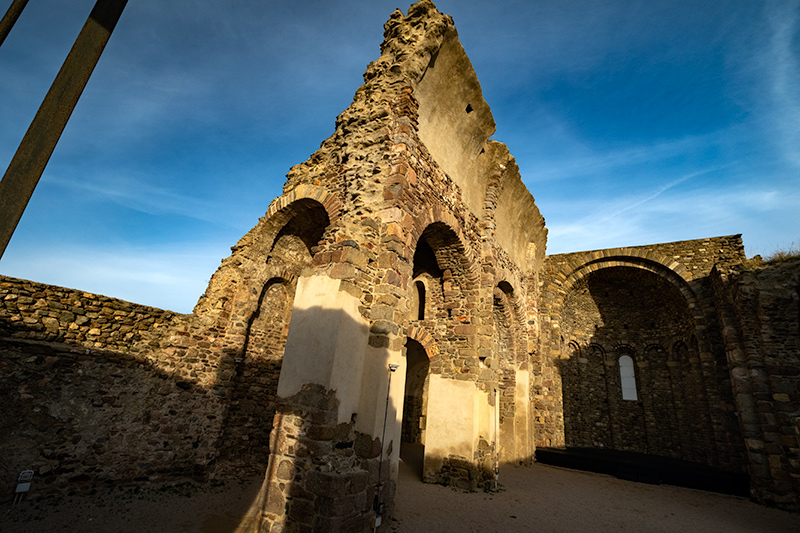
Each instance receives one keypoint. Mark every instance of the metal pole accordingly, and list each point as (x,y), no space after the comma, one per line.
(10,18)
(377,503)
(30,160)
(496,436)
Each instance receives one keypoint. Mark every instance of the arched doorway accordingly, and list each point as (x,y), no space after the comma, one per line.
(415,406)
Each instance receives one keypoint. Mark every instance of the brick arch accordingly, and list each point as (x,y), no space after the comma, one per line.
(515,305)
(653,348)
(438,215)
(509,284)
(595,347)
(494,186)
(300,213)
(624,348)
(574,348)
(258,282)
(680,351)
(283,209)
(583,264)
(329,201)
(242,307)
(672,271)
(281,272)
(425,339)
(507,277)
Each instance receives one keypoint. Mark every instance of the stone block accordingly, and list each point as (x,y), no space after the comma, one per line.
(276,503)
(326,484)
(285,471)
(342,505)
(301,511)
(367,447)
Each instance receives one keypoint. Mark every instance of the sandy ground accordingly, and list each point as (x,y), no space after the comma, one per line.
(537,498)
(547,498)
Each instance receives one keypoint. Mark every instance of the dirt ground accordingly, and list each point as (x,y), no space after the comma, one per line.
(551,499)
(537,498)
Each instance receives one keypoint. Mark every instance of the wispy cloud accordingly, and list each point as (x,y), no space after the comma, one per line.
(172,278)
(145,197)
(661,190)
(583,161)
(550,148)
(783,68)
(676,213)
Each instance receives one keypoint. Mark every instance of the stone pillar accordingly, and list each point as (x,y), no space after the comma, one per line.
(324,462)
(454,423)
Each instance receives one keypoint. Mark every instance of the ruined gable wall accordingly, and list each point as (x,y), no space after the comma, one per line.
(452,173)
(394,193)
(455,124)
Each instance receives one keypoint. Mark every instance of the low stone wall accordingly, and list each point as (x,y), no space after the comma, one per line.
(323,476)
(94,390)
(83,417)
(35,311)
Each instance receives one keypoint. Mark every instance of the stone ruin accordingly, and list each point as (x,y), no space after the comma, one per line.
(397,296)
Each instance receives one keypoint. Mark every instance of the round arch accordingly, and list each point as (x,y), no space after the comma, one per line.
(442,222)
(583,264)
(417,333)
(677,276)
(321,195)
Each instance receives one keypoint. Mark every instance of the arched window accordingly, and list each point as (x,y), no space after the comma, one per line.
(420,287)
(574,351)
(627,378)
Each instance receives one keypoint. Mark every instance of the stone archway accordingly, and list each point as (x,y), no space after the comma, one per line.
(254,290)
(633,314)
(415,400)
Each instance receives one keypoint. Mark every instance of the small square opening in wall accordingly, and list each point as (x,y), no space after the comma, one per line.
(469,108)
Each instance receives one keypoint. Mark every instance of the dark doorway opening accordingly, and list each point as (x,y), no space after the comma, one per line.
(415,405)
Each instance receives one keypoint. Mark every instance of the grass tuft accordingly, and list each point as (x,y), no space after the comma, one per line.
(779,256)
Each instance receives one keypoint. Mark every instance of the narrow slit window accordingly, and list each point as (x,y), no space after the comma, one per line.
(627,378)
(420,300)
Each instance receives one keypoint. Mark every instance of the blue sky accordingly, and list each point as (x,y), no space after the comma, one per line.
(632,123)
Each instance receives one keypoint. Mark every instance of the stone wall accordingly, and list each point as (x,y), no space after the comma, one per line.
(101,390)
(85,401)
(35,311)
(625,311)
(760,318)
(655,305)
(81,418)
